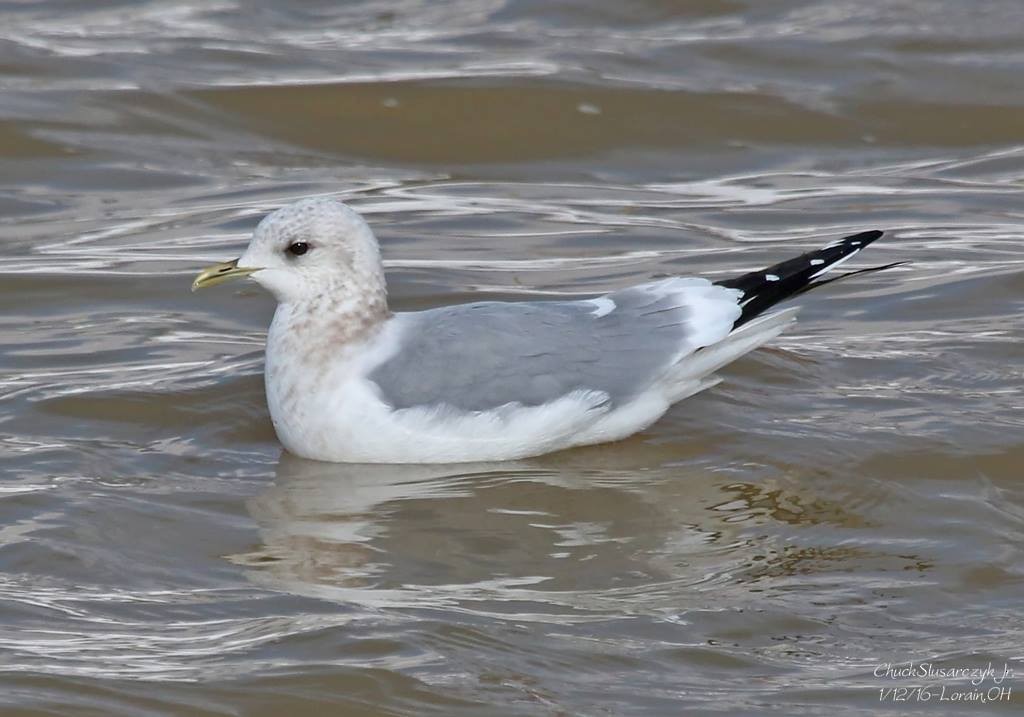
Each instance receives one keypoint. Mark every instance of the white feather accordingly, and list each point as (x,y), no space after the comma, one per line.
(834,264)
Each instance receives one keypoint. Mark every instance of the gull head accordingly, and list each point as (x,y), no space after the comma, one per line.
(307,251)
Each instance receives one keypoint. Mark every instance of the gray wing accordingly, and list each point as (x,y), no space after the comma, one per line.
(480,356)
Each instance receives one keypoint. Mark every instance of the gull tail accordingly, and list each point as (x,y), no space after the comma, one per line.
(695,372)
(765,288)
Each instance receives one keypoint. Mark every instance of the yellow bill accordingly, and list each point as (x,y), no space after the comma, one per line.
(219,273)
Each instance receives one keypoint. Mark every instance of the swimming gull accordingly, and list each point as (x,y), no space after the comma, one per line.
(349,381)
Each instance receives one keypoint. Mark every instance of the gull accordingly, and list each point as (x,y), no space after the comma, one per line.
(348,380)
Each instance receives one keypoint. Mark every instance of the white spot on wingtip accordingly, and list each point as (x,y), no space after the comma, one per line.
(604,306)
(771,277)
(817,262)
(834,264)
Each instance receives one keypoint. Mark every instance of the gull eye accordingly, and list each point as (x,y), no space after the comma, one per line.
(298,248)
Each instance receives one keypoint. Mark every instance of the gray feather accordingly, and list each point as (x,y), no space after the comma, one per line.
(476,357)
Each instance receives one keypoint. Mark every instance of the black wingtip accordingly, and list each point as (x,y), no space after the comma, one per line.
(864,238)
(846,274)
(763,289)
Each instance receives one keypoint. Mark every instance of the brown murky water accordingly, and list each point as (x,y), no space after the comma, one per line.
(850,498)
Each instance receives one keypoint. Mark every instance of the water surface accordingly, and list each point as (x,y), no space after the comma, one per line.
(849,498)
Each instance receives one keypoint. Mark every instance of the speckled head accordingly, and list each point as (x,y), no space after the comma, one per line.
(315,249)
